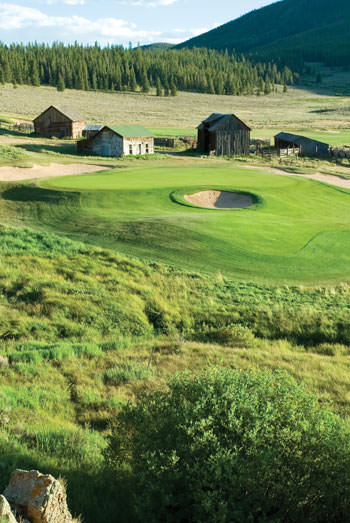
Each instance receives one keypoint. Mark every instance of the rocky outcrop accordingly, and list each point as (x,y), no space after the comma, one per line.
(6,515)
(40,498)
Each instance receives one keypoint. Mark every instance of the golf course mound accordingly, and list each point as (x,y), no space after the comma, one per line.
(215,199)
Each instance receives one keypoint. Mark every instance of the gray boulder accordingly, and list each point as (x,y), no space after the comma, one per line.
(38,497)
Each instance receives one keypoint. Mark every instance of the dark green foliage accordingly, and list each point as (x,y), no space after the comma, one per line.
(114,68)
(227,445)
(291,31)
(60,84)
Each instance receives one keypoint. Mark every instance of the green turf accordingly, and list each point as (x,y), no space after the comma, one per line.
(174,131)
(300,233)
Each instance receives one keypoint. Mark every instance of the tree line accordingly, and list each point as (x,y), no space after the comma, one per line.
(114,68)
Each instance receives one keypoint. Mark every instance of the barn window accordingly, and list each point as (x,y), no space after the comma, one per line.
(130,149)
(147,148)
(140,149)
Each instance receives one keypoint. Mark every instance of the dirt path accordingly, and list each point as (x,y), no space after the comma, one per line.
(332,179)
(13,174)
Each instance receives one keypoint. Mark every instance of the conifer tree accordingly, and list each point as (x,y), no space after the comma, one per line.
(159,87)
(60,84)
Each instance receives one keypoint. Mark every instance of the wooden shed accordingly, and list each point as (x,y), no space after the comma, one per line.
(307,146)
(224,134)
(116,140)
(59,121)
(91,130)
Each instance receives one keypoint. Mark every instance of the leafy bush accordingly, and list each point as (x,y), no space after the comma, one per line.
(227,445)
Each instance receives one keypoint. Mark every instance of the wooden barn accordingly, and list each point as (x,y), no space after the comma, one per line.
(116,140)
(224,135)
(307,146)
(60,122)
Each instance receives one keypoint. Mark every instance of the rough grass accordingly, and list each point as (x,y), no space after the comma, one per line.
(84,329)
(297,109)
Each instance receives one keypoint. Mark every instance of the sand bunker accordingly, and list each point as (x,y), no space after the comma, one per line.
(13,174)
(220,199)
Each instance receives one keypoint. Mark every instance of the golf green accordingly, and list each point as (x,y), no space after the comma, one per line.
(298,230)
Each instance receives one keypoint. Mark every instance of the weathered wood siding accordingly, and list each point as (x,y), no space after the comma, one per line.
(54,123)
(231,139)
(107,143)
(227,137)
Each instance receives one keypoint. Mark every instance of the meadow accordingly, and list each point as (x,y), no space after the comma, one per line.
(110,284)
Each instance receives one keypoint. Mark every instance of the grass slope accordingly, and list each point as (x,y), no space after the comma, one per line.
(300,233)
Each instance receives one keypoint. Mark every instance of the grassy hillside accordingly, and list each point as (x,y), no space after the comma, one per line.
(310,30)
(84,329)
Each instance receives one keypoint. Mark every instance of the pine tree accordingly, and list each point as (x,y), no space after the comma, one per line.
(35,80)
(159,87)
(60,84)
(173,90)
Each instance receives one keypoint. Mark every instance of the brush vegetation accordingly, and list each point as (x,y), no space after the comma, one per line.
(84,330)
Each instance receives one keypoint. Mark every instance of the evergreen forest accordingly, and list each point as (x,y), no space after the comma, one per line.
(115,68)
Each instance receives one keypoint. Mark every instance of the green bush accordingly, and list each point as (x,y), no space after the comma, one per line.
(227,445)
(233,335)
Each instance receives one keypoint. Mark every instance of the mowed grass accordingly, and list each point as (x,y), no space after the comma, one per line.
(299,233)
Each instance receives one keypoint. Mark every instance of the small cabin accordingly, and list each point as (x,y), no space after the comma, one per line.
(224,135)
(306,146)
(118,140)
(60,122)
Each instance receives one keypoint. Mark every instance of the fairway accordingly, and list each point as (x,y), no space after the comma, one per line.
(298,232)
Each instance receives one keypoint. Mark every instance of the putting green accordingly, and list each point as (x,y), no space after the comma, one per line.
(299,232)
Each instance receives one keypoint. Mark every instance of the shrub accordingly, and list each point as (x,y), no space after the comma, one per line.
(234,335)
(227,445)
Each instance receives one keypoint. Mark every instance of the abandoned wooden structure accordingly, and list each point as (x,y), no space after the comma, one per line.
(91,130)
(306,146)
(60,122)
(223,135)
(118,140)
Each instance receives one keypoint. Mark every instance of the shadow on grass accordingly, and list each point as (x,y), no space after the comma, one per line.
(60,148)
(13,132)
(28,193)
(95,494)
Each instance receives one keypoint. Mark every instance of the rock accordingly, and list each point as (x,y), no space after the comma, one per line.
(6,515)
(38,497)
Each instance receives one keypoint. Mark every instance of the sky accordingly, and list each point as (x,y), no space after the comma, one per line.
(116,21)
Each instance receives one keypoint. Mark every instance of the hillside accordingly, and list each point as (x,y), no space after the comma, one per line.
(310,30)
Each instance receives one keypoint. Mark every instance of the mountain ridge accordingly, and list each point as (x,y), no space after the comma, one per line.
(309,30)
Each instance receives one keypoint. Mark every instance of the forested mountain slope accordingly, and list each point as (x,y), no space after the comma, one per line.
(290,29)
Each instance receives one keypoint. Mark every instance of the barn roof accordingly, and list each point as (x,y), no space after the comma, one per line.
(71,114)
(130,131)
(298,139)
(216,119)
(92,127)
